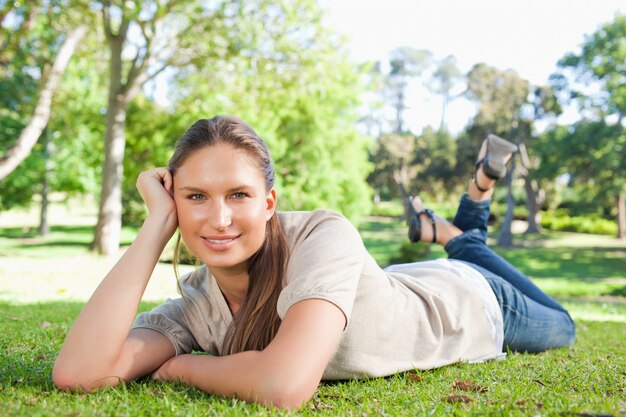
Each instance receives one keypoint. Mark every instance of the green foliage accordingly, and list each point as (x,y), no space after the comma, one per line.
(151,133)
(31,37)
(590,153)
(560,221)
(18,188)
(599,62)
(392,156)
(411,252)
(299,92)
(388,209)
(500,95)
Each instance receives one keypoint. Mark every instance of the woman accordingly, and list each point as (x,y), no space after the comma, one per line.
(285,300)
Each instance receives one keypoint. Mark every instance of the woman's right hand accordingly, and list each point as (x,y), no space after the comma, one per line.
(156,189)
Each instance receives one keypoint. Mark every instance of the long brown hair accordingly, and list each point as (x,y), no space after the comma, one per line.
(256,323)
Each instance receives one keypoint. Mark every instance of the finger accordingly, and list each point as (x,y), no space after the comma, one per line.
(168,181)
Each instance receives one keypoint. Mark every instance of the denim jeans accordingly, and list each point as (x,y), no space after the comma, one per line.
(533,322)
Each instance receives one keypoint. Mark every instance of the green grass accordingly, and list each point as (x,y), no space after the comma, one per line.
(62,240)
(587,379)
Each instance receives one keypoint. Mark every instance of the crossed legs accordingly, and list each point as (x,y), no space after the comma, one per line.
(533,321)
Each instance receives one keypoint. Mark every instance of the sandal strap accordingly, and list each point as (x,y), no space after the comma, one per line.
(481,189)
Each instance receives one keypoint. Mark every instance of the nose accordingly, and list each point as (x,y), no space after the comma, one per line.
(220,216)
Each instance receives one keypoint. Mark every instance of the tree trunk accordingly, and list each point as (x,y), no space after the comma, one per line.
(621,215)
(534,200)
(444,107)
(43,215)
(108,229)
(401,180)
(29,136)
(505,238)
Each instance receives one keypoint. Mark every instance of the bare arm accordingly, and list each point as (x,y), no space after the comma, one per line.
(99,350)
(285,374)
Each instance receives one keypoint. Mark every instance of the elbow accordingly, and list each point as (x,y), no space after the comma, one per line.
(287,401)
(64,380)
(71,380)
(287,395)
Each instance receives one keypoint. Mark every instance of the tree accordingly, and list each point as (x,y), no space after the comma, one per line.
(445,77)
(157,34)
(435,160)
(393,156)
(594,78)
(17,38)
(501,97)
(405,63)
(589,148)
(291,80)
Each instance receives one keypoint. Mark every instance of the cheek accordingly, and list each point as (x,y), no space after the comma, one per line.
(188,216)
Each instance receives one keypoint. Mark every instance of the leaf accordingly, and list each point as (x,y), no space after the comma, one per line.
(538,403)
(468,386)
(415,377)
(457,399)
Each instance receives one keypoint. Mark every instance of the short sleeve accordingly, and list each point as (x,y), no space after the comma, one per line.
(169,320)
(325,262)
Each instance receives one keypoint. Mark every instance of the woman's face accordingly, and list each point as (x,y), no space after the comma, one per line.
(222,206)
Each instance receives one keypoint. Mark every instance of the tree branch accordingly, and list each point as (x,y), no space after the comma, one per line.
(29,136)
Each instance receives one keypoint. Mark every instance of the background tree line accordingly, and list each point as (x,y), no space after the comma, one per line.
(579,168)
(79,114)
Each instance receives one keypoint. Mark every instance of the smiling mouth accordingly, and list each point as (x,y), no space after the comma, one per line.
(220,241)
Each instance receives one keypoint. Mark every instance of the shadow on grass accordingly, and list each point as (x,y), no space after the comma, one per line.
(584,264)
(31,232)
(25,240)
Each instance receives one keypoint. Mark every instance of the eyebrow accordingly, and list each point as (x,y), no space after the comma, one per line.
(230,190)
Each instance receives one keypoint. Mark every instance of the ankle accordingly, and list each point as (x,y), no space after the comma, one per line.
(481,186)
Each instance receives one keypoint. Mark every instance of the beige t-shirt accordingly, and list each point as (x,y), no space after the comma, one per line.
(414,316)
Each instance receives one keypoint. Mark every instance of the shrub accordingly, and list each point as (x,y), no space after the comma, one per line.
(411,252)
(558,220)
(387,209)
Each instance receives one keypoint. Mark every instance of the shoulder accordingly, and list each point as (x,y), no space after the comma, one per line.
(295,221)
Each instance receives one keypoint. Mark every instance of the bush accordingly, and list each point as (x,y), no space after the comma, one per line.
(411,252)
(387,209)
(559,220)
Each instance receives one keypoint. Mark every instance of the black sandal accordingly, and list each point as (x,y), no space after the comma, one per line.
(494,162)
(415,223)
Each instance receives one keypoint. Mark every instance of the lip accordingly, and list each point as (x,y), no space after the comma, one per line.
(220,243)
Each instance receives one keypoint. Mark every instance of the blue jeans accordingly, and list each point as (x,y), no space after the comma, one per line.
(533,322)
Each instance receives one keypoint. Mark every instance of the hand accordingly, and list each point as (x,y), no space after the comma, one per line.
(156,189)
(164,372)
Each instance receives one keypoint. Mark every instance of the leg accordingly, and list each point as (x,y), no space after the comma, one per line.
(529,326)
(470,247)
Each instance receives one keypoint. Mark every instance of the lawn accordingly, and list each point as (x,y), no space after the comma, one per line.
(44,283)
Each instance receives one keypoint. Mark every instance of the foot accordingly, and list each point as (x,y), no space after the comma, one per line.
(426,226)
(493,156)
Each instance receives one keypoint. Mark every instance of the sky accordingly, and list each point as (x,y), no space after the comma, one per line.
(527,36)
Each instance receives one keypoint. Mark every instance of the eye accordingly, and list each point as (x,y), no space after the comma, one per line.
(195,197)
(239,195)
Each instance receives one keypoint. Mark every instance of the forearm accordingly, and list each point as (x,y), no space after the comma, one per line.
(94,343)
(246,375)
